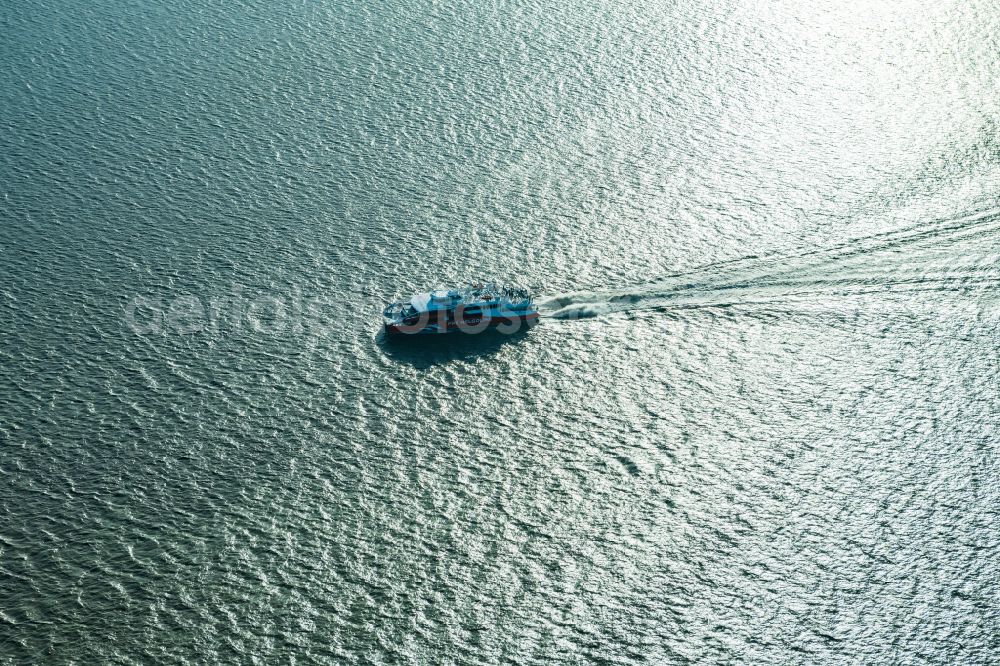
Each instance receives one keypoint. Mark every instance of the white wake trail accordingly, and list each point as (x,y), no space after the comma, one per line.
(949,256)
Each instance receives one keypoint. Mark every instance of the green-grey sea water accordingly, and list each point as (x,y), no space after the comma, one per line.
(757,424)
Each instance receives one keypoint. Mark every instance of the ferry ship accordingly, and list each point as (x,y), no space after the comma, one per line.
(470,309)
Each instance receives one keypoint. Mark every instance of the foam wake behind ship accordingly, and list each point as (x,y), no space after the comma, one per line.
(470,309)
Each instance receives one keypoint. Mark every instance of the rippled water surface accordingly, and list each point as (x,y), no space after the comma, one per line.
(758,422)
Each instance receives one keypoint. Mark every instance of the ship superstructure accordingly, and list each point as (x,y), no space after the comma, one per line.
(469,309)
